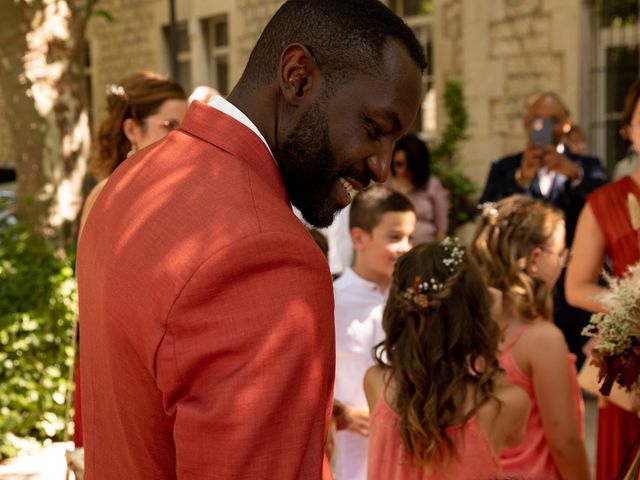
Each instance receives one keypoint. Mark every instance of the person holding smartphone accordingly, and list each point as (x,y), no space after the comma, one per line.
(548,170)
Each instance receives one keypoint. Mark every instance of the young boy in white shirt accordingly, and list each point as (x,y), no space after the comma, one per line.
(382,223)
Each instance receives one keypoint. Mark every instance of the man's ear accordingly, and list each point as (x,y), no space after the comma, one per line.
(358,238)
(566,127)
(299,73)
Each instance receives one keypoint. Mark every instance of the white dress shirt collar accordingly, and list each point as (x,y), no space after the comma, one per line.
(220,103)
(364,285)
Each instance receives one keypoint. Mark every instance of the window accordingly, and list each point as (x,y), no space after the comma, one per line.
(615,57)
(417,14)
(216,33)
(183,53)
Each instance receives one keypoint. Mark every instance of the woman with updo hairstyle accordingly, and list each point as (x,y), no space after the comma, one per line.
(141,109)
(411,175)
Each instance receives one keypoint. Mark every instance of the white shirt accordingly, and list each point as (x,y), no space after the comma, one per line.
(339,240)
(220,103)
(358,313)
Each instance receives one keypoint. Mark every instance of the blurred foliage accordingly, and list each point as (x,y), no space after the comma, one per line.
(38,301)
(618,13)
(408,8)
(444,158)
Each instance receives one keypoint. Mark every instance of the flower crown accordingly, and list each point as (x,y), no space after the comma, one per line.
(418,294)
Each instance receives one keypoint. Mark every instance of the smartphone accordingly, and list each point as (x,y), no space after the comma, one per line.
(541,133)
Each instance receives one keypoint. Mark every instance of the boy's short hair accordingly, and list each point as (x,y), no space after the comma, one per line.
(370,204)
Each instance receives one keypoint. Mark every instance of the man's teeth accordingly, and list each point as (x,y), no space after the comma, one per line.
(348,187)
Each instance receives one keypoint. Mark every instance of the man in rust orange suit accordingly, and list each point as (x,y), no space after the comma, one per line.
(207,337)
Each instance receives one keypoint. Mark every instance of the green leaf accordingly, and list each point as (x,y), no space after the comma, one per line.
(101,12)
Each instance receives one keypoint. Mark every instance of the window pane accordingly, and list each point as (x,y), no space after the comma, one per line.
(184,75)
(222,74)
(221,30)
(622,71)
(616,146)
(183,37)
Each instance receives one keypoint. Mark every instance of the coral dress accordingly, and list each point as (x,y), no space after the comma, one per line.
(617,428)
(475,459)
(532,458)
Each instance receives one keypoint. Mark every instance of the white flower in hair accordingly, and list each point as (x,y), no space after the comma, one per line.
(489,211)
(117,90)
(455,253)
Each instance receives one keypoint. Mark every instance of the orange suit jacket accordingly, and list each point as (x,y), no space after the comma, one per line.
(206,312)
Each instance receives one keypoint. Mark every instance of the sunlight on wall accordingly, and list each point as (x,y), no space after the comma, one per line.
(49,25)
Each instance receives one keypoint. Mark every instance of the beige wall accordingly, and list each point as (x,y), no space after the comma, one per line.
(135,40)
(504,51)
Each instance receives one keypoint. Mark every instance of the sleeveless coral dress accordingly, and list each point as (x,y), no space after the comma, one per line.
(532,458)
(475,459)
(617,428)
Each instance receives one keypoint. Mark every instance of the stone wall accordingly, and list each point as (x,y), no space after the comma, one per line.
(128,44)
(505,51)
(252,16)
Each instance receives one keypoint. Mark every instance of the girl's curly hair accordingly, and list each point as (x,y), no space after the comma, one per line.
(137,97)
(437,347)
(508,232)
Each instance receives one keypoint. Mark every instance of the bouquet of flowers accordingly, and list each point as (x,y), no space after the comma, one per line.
(617,332)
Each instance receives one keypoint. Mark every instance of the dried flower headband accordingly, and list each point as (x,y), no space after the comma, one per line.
(418,294)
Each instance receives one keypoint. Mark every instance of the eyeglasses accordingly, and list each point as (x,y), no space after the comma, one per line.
(168,124)
(562,255)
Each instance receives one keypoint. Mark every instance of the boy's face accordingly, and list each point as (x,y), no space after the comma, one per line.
(377,252)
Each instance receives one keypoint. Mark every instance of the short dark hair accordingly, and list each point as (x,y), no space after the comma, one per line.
(372,203)
(418,159)
(330,29)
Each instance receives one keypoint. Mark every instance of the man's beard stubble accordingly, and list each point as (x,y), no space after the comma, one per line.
(309,168)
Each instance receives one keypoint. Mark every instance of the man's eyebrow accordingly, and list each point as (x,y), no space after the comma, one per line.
(393,118)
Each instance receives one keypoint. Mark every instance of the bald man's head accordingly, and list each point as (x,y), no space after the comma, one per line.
(549,105)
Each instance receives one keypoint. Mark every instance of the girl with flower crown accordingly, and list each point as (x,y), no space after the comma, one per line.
(520,248)
(438,407)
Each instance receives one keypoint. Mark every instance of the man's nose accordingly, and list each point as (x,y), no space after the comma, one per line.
(380,163)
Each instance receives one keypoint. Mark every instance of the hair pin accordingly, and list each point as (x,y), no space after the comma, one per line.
(117,90)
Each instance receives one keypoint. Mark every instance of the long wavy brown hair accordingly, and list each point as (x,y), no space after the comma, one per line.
(137,96)
(438,349)
(503,242)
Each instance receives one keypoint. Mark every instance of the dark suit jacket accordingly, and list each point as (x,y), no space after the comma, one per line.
(208,346)
(501,183)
